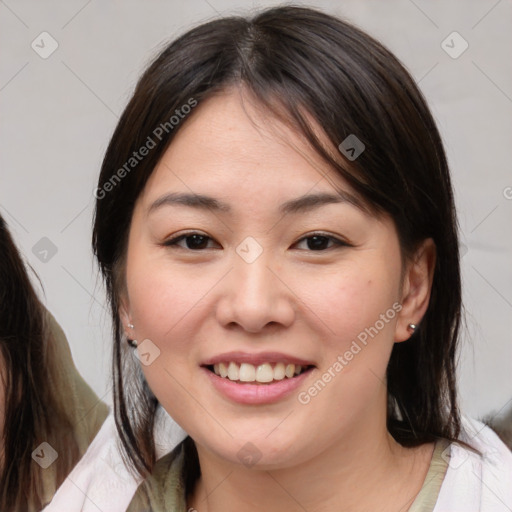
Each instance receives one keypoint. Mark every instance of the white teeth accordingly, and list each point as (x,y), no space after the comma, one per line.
(263,373)
(279,371)
(223,370)
(233,371)
(247,372)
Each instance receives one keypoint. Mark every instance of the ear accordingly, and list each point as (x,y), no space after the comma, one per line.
(416,288)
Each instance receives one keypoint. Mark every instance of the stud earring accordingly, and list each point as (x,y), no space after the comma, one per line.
(130,326)
(412,327)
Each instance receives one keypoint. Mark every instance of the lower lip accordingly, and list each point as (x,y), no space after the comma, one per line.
(250,393)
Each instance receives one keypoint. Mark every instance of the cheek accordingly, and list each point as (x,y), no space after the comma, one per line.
(162,298)
(359,313)
(352,303)
(163,302)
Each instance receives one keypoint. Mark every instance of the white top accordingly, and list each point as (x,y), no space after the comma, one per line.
(101,481)
(473,483)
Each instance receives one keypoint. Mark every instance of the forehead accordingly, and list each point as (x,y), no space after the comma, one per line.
(231,146)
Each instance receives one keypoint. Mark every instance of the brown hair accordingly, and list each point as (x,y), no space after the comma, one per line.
(32,414)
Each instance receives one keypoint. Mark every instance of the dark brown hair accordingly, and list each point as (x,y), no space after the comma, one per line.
(299,62)
(32,414)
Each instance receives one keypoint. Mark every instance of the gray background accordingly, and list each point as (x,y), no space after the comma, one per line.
(57,115)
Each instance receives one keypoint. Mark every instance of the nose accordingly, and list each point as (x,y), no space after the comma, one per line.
(255,297)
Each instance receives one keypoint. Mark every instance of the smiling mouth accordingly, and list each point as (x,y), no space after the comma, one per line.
(266,373)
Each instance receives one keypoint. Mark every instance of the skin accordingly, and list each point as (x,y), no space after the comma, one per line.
(334,453)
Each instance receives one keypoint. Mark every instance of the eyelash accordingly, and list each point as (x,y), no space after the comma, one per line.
(173,242)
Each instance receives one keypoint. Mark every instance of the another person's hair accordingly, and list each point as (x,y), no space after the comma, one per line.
(32,414)
(300,62)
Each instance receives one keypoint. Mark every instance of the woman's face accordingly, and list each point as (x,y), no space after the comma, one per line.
(239,281)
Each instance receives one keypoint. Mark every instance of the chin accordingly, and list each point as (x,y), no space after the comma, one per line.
(262,452)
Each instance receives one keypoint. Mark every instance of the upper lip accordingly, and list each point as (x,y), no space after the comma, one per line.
(256,359)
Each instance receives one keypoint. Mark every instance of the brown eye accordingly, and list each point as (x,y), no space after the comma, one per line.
(320,242)
(193,241)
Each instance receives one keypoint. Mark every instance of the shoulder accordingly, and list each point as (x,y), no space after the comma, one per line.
(479,482)
(164,489)
(102,479)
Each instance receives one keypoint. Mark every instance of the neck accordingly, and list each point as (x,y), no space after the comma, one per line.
(366,469)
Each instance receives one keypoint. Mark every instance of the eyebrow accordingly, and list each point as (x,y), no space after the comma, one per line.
(301,204)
